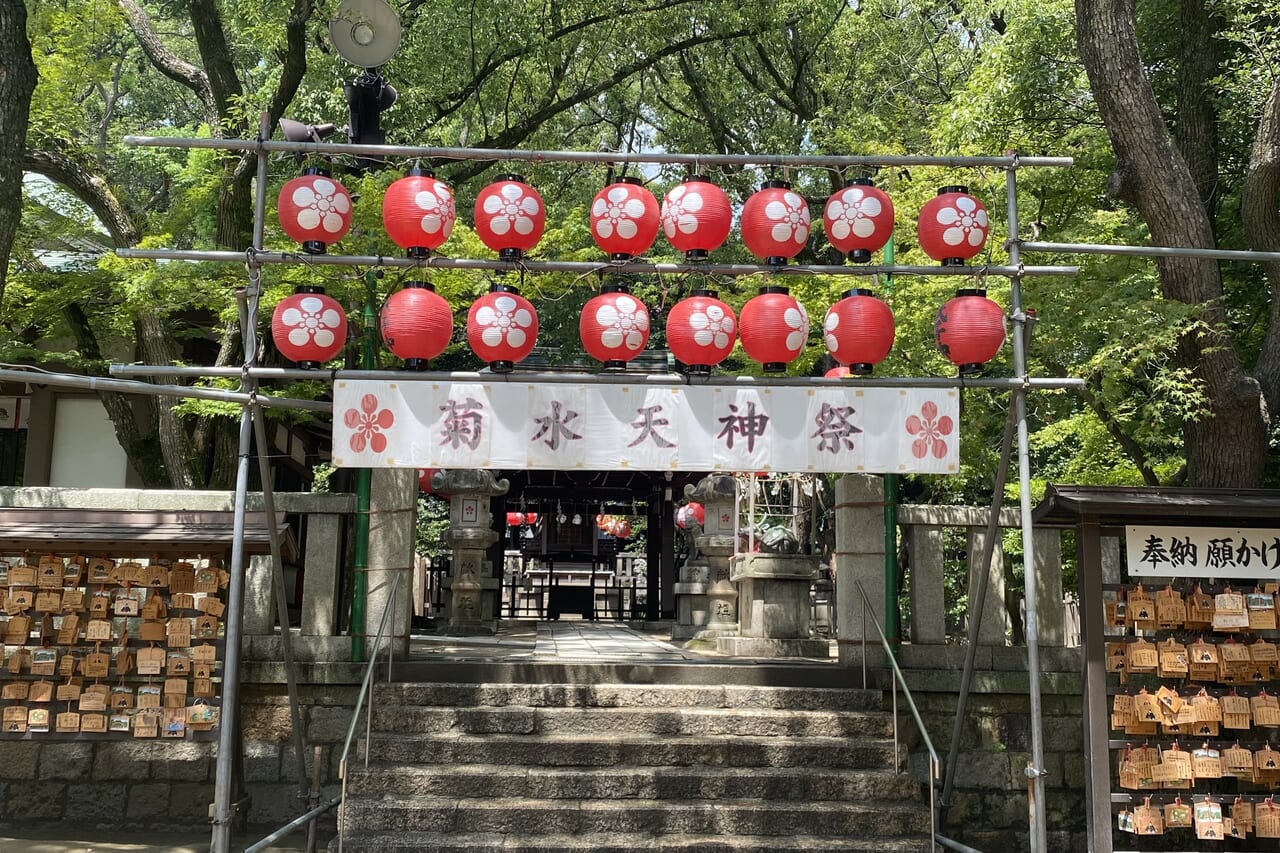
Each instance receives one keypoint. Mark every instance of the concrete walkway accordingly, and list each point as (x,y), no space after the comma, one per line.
(603,641)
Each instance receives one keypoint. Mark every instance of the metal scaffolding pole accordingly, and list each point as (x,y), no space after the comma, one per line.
(826,161)
(123,386)
(1035,770)
(1147,251)
(581,267)
(672,379)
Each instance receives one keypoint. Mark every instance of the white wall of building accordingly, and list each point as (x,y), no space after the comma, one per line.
(85,450)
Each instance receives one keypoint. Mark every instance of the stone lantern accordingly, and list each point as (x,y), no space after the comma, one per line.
(473,588)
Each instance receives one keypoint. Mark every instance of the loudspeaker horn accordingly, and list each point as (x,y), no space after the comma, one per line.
(365,32)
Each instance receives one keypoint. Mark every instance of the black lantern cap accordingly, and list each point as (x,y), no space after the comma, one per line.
(502,366)
(775,367)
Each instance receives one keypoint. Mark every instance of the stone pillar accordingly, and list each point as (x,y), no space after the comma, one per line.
(471,588)
(1048,545)
(859,556)
(392,510)
(693,608)
(995,615)
(928,599)
(320,579)
(259,614)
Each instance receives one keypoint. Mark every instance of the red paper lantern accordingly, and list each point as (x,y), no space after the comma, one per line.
(315,210)
(859,331)
(510,217)
(701,330)
(969,330)
(952,226)
(614,326)
(690,513)
(530,518)
(775,223)
(502,328)
(515,519)
(773,328)
(624,219)
(696,217)
(622,529)
(418,213)
(858,219)
(424,479)
(309,327)
(417,324)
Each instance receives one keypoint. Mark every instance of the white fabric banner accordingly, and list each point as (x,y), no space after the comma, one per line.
(503,425)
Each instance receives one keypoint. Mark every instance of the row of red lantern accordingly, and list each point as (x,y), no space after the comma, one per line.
(515,519)
(309,328)
(614,525)
(418,212)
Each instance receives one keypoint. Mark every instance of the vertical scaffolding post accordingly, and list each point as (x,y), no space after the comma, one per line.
(228,734)
(1035,770)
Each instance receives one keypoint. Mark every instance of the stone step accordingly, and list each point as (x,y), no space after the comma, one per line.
(630,696)
(631,720)
(419,842)
(635,751)
(398,813)
(711,671)
(645,783)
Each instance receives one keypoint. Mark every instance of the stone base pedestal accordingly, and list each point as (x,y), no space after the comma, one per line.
(763,647)
(693,607)
(773,606)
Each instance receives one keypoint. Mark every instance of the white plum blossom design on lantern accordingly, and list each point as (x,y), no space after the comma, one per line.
(797,320)
(618,211)
(790,216)
(680,210)
(511,208)
(438,211)
(830,326)
(624,323)
(967,222)
(322,205)
(714,327)
(504,321)
(850,213)
(311,319)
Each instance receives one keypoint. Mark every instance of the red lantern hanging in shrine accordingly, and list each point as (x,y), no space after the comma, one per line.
(614,326)
(859,331)
(309,327)
(701,330)
(773,327)
(624,219)
(515,519)
(775,223)
(502,328)
(418,213)
(510,217)
(969,330)
(689,514)
(314,210)
(424,479)
(952,226)
(416,324)
(838,372)
(696,217)
(531,518)
(858,219)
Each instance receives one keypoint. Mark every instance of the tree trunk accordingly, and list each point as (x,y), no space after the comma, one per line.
(1195,131)
(1261,218)
(17,82)
(1225,446)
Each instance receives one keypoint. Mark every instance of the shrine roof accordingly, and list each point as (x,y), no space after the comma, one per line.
(1067,505)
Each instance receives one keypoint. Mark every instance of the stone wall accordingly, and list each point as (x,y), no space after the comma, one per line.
(988,807)
(156,785)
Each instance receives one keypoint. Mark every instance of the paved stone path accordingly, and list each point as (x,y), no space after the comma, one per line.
(603,641)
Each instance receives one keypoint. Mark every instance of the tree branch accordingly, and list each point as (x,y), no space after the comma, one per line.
(169,63)
(89,188)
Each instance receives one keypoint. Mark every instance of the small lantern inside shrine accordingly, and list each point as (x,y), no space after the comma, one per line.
(952,226)
(418,212)
(309,327)
(775,223)
(624,219)
(416,324)
(314,210)
(858,219)
(840,371)
(859,331)
(502,328)
(614,326)
(424,479)
(696,217)
(773,327)
(510,217)
(515,519)
(969,330)
(701,331)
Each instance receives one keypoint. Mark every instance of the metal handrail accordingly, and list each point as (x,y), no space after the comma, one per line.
(360,699)
(314,813)
(935,764)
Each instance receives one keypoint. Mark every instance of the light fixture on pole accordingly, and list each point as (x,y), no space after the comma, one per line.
(366,33)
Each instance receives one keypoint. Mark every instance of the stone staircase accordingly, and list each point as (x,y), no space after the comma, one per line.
(543,767)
